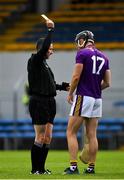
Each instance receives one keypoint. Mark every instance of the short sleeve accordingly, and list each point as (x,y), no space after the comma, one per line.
(107,64)
(80,57)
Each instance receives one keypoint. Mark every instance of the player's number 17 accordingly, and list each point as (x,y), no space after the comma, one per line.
(95,60)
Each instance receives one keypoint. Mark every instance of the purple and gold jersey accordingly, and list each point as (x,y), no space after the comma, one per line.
(95,63)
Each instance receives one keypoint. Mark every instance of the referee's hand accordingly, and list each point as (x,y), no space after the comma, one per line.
(50,23)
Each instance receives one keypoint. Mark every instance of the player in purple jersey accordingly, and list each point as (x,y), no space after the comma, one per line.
(90,76)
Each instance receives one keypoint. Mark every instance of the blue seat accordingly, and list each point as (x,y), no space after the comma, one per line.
(118,104)
(107,128)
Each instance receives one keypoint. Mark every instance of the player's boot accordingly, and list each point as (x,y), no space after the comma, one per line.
(89,171)
(69,171)
(84,155)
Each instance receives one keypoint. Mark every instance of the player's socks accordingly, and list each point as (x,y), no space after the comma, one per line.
(73,164)
(36,152)
(91,165)
(45,150)
(90,169)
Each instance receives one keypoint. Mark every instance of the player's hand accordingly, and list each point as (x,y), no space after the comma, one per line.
(70,99)
(50,23)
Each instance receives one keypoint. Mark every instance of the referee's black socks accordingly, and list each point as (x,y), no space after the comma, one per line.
(36,152)
(38,156)
(45,150)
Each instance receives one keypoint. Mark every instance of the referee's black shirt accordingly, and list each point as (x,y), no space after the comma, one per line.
(40,77)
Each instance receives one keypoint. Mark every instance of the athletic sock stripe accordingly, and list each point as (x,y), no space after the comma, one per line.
(91,166)
(73,161)
(73,164)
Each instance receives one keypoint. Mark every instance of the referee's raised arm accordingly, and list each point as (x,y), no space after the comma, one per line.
(44,44)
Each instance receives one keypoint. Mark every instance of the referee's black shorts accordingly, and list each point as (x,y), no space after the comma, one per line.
(42,110)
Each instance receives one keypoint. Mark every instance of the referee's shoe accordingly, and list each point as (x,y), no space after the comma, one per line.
(41,172)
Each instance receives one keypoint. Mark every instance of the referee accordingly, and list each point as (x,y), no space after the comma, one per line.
(42,105)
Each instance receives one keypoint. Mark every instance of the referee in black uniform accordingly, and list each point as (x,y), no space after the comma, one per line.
(42,105)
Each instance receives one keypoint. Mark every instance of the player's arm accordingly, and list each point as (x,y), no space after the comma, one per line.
(74,81)
(106,82)
(48,40)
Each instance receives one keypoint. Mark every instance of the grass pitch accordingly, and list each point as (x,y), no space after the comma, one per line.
(16,165)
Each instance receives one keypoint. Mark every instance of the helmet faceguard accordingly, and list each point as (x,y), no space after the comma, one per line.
(86,35)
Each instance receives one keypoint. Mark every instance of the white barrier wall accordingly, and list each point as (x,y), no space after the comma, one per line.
(13,74)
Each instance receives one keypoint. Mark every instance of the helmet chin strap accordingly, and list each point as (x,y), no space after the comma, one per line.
(84,43)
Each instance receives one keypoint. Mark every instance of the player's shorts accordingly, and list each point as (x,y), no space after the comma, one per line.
(42,110)
(86,106)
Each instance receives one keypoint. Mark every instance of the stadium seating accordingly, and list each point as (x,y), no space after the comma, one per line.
(10,12)
(109,130)
(119,104)
(104,19)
